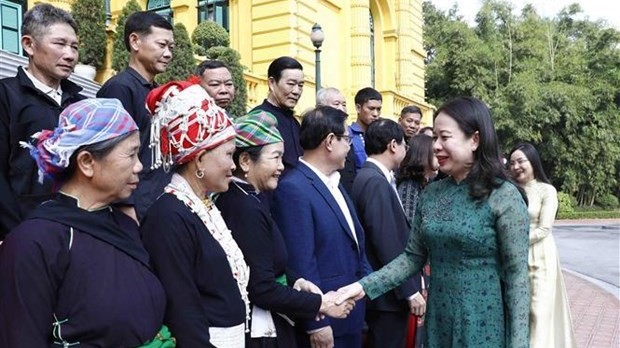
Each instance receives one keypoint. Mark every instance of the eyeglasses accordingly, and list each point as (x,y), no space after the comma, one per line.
(347,138)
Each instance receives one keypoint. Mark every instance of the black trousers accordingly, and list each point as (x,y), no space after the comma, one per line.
(386,329)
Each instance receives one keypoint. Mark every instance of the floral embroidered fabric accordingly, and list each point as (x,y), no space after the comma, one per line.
(478,294)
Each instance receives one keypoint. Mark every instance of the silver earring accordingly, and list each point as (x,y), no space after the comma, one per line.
(200,174)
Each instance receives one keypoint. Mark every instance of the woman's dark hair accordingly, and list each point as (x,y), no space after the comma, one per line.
(423,130)
(532,155)
(318,123)
(487,171)
(279,64)
(253,151)
(98,150)
(418,158)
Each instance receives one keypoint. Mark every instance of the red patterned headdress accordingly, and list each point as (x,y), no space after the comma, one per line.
(185,121)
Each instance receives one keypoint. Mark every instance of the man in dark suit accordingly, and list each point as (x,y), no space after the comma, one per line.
(387,230)
(323,235)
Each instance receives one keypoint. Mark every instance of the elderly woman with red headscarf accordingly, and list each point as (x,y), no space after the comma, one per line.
(75,272)
(192,250)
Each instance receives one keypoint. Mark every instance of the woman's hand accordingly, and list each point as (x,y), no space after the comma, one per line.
(330,308)
(353,291)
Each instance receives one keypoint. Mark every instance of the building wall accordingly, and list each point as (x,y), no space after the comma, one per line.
(262,30)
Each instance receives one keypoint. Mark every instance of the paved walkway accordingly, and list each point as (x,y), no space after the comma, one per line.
(595,313)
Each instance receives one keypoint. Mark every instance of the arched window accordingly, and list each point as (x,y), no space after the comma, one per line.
(161,7)
(214,10)
(10,26)
(372,49)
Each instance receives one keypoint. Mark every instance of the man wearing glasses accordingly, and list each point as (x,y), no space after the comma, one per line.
(323,236)
(386,230)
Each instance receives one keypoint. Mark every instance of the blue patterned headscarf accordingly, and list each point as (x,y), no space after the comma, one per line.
(86,122)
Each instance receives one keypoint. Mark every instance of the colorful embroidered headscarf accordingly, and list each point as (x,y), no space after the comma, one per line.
(86,122)
(185,121)
(257,128)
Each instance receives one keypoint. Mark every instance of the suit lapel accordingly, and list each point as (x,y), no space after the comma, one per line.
(322,189)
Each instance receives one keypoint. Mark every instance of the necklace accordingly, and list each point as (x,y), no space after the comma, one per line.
(212,219)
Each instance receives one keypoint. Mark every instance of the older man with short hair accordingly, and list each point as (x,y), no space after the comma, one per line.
(31,102)
(216,78)
(331,96)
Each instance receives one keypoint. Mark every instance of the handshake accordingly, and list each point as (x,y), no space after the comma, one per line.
(335,304)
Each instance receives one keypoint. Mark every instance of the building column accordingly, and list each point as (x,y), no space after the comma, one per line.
(360,44)
(404,57)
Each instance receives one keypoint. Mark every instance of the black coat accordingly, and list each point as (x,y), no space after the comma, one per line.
(131,89)
(387,231)
(25,110)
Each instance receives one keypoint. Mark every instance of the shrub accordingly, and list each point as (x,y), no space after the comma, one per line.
(597,214)
(182,65)
(607,201)
(232,58)
(90,18)
(209,34)
(566,203)
(120,55)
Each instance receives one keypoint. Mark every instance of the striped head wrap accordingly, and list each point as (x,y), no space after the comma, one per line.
(257,128)
(86,122)
(185,121)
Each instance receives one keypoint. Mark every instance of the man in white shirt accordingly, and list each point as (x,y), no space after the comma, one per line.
(386,230)
(323,236)
(31,102)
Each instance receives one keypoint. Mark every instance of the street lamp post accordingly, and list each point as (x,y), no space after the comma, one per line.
(317,36)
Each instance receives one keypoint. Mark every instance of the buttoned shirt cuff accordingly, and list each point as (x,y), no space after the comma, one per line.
(414,296)
(310,332)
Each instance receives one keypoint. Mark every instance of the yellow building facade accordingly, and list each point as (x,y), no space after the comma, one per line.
(368,43)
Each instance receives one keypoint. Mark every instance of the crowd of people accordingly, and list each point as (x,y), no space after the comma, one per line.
(150,217)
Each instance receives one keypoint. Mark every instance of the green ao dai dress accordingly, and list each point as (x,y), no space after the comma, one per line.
(478,251)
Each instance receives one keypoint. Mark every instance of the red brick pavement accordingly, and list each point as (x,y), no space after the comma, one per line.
(595,313)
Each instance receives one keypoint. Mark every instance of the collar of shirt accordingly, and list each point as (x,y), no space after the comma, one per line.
(389,175)
(133,72)
(53,93)
(267,106)
(356,128)
(331,181)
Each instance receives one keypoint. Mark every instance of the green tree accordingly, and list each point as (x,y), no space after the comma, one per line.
(209,34)
(552,81)
(90,18)
(182,65)
(120,54)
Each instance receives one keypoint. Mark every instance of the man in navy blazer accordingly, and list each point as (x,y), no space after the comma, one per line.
(387,230)
(323,235)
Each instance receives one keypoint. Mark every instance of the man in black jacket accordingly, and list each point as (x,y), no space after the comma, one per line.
(149,40)
(286,84)
(31,102)
(387,231)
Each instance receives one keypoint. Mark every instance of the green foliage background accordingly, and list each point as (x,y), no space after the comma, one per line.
(211,40)
(120,55)
(90,18)
(552,81)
